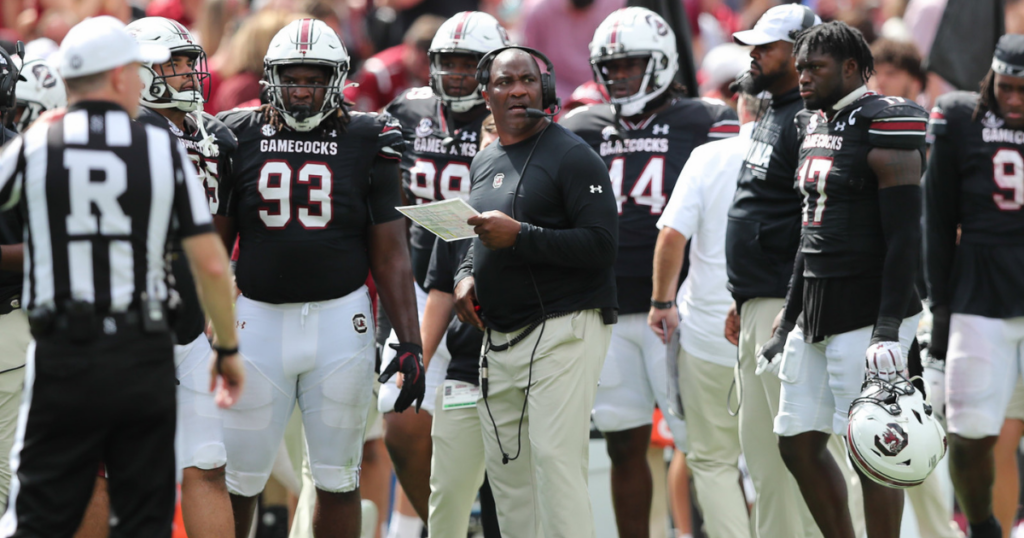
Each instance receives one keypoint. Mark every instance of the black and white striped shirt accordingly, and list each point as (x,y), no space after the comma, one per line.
(100,195)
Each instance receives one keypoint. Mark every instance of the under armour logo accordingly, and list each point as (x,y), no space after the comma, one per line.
(595,189)
(239,324)
(660,130)
(840,126)
(333,133)
(468,135)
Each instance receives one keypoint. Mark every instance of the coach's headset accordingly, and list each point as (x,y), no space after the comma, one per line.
(549,99)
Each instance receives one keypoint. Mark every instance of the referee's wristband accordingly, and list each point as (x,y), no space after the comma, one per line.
(663,305)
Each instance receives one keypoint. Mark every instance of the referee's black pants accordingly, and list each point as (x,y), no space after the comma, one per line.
(111,401)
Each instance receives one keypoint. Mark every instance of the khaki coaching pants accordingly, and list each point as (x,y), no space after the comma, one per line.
(779,509)
(544,492)
(14,340)
(714,443)
(456,468)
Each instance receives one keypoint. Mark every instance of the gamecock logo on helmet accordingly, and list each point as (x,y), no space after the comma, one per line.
(892,441)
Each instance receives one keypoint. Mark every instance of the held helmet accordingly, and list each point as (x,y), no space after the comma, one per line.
(157,93)
(892,436)
(636,32)
(306,42)
(41,89)
(469,32)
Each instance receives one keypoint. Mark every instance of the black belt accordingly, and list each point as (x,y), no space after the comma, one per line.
(85,326)
(526,332)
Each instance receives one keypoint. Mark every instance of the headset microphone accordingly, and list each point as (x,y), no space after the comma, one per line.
(537,113)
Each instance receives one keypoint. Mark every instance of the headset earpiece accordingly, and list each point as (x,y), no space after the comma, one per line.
(549,96)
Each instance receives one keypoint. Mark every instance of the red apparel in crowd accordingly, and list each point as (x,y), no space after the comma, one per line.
(233,91)
(169,9)
(381,79)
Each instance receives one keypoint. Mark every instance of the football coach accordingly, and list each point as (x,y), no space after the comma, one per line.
(102,197)
(540,275)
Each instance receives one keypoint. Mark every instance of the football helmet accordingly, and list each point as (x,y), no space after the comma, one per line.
(41,89)
(892,436)
(636,32)
(171,34)
(306,42)
(469,32)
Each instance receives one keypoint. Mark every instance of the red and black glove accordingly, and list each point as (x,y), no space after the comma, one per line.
(408,360)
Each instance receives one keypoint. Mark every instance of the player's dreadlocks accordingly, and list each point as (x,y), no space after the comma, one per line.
(987,98)
(840,41)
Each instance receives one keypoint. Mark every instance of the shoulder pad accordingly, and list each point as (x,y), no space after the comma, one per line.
(893,122)
(239,118)
(724,121)
(151,117)
(587,118)
(954,107)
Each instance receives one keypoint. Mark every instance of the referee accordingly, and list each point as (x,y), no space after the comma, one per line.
(541,268)
(99,383)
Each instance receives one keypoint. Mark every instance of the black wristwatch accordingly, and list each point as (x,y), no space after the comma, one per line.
(663,305)
(223,352)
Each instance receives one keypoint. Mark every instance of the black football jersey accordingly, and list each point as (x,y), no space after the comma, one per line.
(213,166)
(432,170)
(975,180)
(303,202)
(644,160)
(841,236)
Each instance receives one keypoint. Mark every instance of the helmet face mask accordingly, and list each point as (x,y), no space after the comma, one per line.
(41,89)
(306,43)
(631,33)
(304,89)
(625,76)
(164,82)
(470,33)
(892,436)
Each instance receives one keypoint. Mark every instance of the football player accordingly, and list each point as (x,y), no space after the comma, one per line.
(974,244)
(313,203)
(861,157)
(645,136)
(441,125)
(173,99)
(40,89)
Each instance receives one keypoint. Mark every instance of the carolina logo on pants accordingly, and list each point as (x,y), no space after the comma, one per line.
(359,323)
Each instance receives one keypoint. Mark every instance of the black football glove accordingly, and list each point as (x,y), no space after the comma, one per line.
(409,361)
(769,357)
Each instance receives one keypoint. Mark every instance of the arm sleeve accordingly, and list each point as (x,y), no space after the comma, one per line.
(385,191)
(190,204)
(901,223)
(10,174)
(941,216)
(724,122)
(593,239)
(440,273)
(685,206)
(795,296)
(901,126)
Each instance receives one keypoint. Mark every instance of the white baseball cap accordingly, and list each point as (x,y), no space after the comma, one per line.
(776,24)
(100,44)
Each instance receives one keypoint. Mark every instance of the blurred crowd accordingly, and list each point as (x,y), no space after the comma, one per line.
(388,39)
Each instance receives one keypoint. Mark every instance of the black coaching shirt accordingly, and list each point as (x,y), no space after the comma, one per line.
(212,160)
(102,197)
(644,160)
(565,251)
(842,240)
(304,201)
(464,340)
(432,170)
(975,180)
(764,220)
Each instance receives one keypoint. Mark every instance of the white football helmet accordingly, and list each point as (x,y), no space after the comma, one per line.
(306,42)
(42,89)
(171,34)
(892,436)
(469,32)
(636,32)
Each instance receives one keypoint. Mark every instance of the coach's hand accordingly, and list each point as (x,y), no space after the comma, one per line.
(409,361)
(495,229)
(465,303)
(732,325)
(669,316)
(227,380)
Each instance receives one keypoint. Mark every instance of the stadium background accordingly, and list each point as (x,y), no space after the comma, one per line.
(388,41)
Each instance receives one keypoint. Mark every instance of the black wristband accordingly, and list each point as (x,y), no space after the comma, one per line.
(223,352)
(886,330)
(663,305)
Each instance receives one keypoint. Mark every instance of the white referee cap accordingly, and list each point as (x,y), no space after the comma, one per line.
(778,24)
(100,44)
